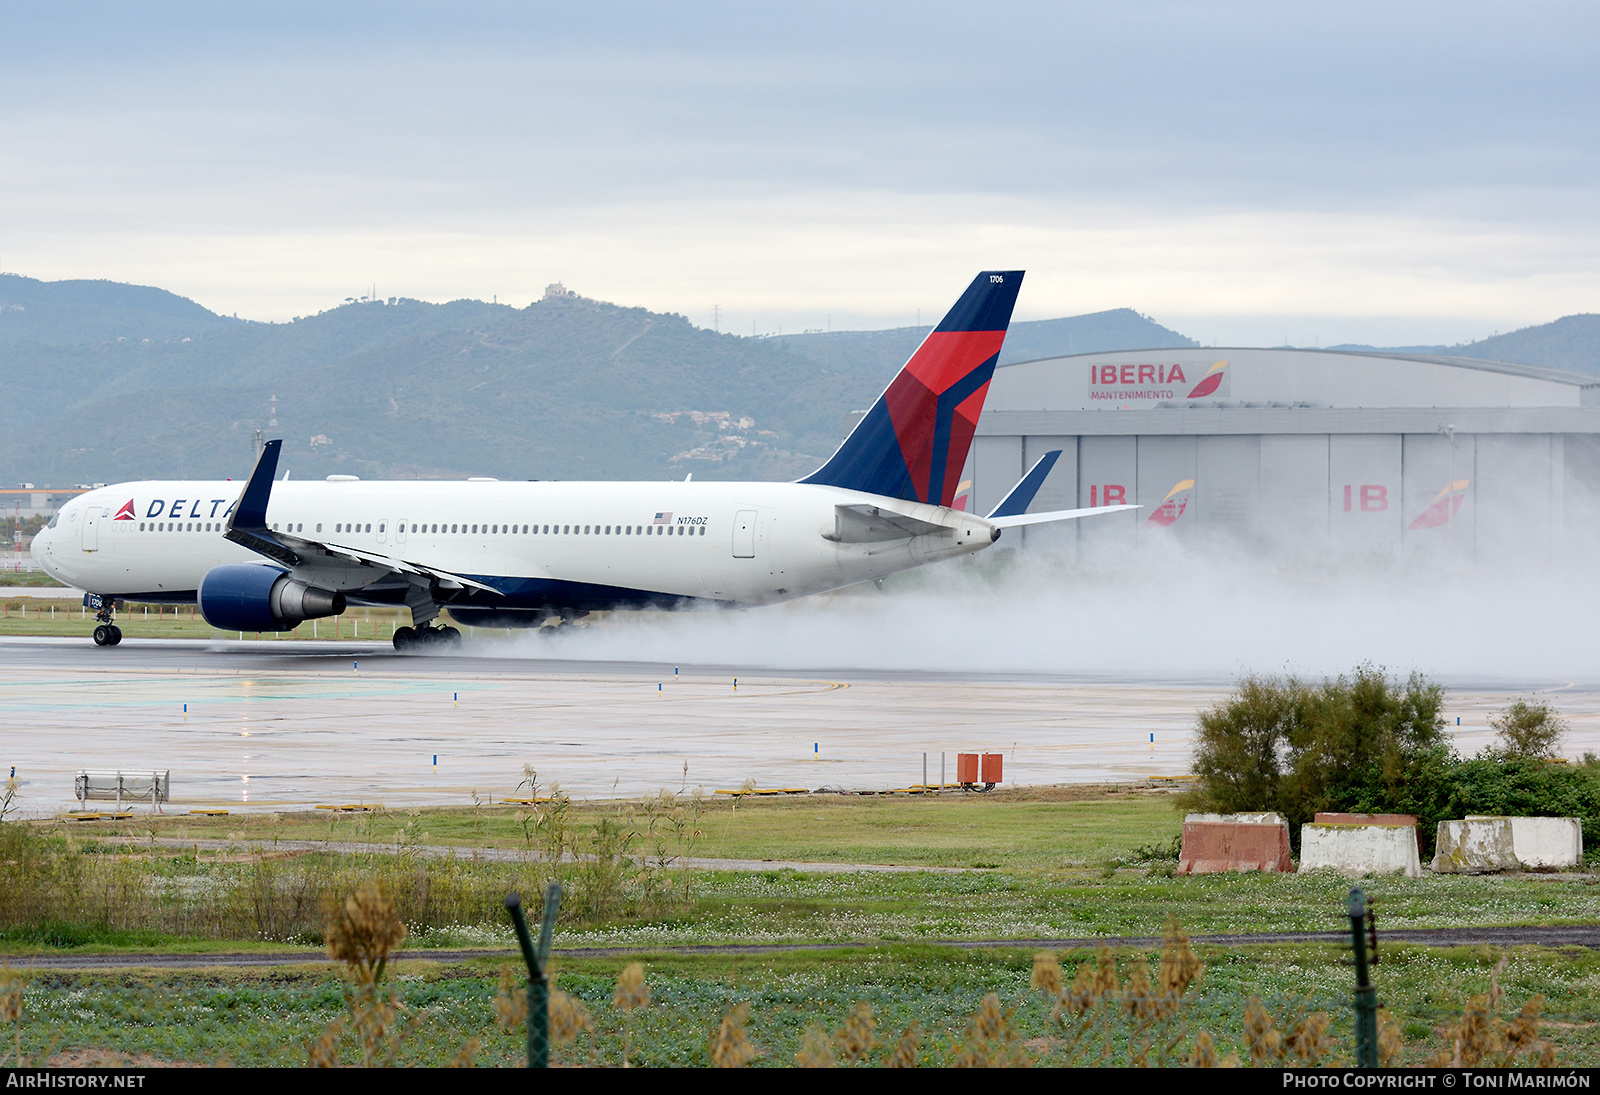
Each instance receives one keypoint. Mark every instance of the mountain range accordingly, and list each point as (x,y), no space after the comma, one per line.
(102,381)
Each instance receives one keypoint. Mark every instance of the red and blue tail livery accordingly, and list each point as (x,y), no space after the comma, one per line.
(913,443)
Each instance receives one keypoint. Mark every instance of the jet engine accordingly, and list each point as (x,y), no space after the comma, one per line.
(258,597)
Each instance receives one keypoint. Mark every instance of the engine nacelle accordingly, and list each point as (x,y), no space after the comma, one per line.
(259,597)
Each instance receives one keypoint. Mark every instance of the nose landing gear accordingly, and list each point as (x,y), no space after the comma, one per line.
(106,632)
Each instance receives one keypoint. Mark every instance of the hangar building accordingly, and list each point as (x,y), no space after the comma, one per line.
(1310,452)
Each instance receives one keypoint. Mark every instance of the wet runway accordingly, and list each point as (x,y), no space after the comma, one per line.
(276,725)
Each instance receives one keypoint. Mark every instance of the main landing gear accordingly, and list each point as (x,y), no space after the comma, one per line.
(106,632)
(425,639)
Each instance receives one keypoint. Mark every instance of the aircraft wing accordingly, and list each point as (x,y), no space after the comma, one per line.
(247,527)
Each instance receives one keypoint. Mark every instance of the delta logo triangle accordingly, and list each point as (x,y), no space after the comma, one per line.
(126,512)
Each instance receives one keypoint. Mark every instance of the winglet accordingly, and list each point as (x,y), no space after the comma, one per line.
(251,512)
(1021,496)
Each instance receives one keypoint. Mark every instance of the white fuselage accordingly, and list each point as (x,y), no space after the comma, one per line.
(734,542)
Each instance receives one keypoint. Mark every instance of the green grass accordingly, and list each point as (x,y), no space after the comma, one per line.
(267,1017)
(1069,872)
(28,616)
(1028,828)
(34,578)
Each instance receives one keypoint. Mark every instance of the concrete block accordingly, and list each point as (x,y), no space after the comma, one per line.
(1360,849)
(1214,843)
(1543,842)
(1324,817)
(1481,843)
(1475,845)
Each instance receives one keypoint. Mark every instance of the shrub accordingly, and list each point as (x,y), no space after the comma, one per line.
(1368,743)
(1360,742)
(1529,729)
(1527,787)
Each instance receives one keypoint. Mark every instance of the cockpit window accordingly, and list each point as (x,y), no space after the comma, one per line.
(53,521)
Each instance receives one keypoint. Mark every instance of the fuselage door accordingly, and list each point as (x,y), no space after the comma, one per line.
(744,534)
(91,528)
(400,531)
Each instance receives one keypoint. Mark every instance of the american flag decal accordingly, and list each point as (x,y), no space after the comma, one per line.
(663,518)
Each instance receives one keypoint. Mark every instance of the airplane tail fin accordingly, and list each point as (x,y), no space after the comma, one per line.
(913,443)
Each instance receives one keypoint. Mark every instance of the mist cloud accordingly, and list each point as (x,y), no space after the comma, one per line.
(1163,613)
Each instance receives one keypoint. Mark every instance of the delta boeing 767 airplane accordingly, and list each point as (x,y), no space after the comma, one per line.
(275,554)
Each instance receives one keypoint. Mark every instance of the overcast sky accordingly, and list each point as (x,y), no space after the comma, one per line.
(1246,173)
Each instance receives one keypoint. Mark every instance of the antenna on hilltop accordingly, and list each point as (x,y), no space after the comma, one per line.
(272,414)
(716,317)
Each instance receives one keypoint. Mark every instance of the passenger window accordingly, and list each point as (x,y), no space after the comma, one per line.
(702,530)
(338,528)
(319,527)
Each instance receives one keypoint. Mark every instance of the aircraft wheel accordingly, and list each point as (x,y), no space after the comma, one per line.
(404,639)
(450,638)
(116,634)
(102,635)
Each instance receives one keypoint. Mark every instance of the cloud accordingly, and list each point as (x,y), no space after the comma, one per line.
(1415,161)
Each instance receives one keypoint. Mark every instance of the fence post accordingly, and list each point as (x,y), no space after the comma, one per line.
(1365,1001)
(537,960)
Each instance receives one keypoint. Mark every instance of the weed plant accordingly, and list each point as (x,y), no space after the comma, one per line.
(62,890)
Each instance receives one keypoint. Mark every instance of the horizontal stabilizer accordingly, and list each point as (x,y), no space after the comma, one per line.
(1021,496)
(1054,515)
